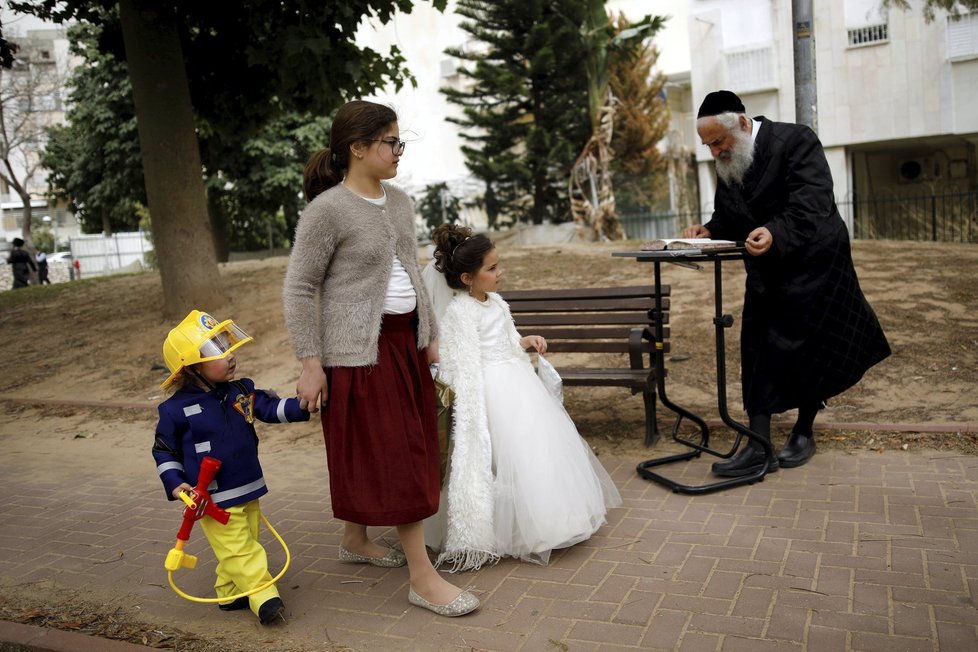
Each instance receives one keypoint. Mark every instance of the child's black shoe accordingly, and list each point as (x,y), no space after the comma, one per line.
(270,611)
(240,603)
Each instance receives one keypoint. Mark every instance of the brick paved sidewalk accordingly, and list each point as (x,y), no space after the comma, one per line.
(855,551)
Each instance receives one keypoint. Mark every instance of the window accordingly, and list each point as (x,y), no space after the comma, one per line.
(869,35)
(750,69)
(962,36)
(866,23)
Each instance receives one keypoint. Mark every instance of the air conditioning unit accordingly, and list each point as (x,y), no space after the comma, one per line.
(449,67)
(920,169)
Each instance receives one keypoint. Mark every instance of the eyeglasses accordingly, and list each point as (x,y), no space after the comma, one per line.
(397,146)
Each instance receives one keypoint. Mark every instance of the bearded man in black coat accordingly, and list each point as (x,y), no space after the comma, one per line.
(808,332)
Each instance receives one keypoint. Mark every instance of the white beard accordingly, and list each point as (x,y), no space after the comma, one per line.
(733,164)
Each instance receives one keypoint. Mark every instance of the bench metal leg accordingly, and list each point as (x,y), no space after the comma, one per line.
(651,427)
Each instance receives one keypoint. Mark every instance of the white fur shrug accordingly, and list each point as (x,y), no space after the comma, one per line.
(469,540)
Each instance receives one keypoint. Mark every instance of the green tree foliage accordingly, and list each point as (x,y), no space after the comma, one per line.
(210,68)
(524,104)
(438,206)
(254,186)
(93,159)
(253,182)
(931,7)
(250,62)
(641,122)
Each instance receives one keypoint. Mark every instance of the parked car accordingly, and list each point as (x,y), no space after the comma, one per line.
(60,257)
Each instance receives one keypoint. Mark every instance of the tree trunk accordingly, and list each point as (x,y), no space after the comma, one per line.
(219,221)
(26,233)
(171,159)
(27,215)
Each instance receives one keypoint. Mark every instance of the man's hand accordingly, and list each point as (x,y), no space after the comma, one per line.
(698,231)
(759,241)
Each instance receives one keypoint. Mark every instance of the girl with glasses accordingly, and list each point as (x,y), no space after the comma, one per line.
(363,328)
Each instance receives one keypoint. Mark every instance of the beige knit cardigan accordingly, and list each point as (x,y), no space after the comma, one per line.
(339,271)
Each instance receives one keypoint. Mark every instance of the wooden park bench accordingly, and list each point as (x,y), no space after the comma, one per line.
(599,321)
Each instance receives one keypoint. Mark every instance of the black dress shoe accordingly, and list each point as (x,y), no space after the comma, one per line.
(797,450)
(240,603)
(748,460)
(270,611)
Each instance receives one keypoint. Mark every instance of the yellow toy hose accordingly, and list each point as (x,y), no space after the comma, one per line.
(188,561)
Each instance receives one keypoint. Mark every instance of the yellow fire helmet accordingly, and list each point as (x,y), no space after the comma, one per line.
(199,338)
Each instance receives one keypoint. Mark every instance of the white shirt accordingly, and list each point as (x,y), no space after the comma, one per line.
(401,298)
(755,126)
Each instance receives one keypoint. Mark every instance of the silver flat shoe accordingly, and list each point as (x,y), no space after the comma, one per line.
(393,558)
(461,605)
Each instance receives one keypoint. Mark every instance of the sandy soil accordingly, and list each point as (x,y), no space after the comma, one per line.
(100,340)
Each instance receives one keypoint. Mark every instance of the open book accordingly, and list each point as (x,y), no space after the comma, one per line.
(674,244)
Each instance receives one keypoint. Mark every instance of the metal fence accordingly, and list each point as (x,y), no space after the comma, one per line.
(946,217)
(652,226)
(98,255)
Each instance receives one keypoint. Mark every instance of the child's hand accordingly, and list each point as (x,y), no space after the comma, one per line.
(535,341)
(183,487)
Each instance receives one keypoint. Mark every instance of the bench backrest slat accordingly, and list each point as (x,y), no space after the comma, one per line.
(585,305)
(570,332)
(603,346)
(585,293)
(556,318)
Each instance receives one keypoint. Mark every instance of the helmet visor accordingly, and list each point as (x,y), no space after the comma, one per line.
(226,337)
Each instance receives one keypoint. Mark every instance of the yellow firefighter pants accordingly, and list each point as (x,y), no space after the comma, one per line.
(241,561)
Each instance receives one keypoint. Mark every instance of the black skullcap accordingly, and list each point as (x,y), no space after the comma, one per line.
(719,102)
(18,242)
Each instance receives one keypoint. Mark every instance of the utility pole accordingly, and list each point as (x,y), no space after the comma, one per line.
(806,90)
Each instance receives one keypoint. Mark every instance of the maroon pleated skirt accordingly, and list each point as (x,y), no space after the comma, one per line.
(381,433)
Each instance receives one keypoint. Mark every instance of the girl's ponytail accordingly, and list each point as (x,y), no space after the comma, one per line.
(320,174)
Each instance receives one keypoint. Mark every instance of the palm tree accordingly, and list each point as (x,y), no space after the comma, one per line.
(591,189)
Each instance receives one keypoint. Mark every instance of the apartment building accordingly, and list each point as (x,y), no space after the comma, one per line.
(896,95)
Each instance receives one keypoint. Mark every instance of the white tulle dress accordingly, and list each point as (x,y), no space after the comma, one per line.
(548,490)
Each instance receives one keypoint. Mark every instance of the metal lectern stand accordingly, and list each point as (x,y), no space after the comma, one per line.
(721,321)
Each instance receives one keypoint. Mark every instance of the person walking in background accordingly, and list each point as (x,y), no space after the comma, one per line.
(42,268)
(21,264)
(521,480)
(362,326)
(209,413)
(808,332)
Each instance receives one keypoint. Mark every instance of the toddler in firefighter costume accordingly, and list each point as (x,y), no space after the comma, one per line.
(212,414)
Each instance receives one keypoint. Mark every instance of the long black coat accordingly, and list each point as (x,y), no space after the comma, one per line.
(22,265)
(808,332)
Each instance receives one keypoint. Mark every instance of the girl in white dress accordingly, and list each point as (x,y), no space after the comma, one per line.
(521,481)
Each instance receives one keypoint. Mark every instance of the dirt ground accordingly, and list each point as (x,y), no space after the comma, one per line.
(100,339)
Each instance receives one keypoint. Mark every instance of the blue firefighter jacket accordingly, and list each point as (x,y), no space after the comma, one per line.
(195,423)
